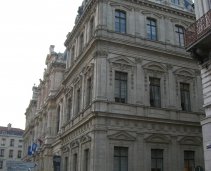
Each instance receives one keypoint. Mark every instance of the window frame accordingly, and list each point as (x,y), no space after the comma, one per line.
(78,107)
(12,142)
(150,25)
(89,91)
(154,85)
(69,111)
(19,156)
(1,164)
(120,87)
(174,2)
(87,159)
(92,24)
(81,42)
(182,99)
(120,157)
(189,159)
(119,20)
(75,162)
(3,141)
(157,158)
(179,42)
(58,118)
(20,143)
(10,153)
(2,152)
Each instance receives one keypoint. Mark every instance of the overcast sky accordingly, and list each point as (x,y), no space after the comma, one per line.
(27,29)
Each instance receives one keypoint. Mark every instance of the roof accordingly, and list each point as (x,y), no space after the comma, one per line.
(12,131)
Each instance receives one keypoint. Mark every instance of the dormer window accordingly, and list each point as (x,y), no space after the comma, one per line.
(175,2)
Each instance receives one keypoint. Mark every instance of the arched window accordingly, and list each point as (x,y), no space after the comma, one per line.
(151,29)
(120,21)
(179,35)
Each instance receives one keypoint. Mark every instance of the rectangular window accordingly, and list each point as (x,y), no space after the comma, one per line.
(69,111)
(86,160)
(20,143)
(78,101)
(72,55)
(185,96)
(3,141)
(151,29)
(189,161)
(2,153)
(66,164)
(11,153)
(120,21)
(179,35)
(120,159)
(92,27)
(12,142)
(156,160)
(81,42)
(75,162)
(19,154)
(120,87)
(175,1)
(89,91)
(155,100)
(1,164)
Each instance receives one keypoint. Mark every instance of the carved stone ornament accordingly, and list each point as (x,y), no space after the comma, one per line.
(169,66)
(184,75)
(100,53)
(154,69)
(189,141)
(158,139)
(122,135)
(121,63)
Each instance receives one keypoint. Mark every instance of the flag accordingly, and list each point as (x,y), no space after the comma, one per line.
(29,150)
(40,141)
(34,146)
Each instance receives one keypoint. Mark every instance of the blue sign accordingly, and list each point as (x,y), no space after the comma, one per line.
(34,146)
(29,150)
(208,146)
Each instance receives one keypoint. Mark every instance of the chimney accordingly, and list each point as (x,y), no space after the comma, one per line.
(9,126)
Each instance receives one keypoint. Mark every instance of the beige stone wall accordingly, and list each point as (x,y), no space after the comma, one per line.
(102,124)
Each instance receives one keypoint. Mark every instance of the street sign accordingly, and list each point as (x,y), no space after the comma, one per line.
(199,168)
(20,164)
(18,169)
(208,146)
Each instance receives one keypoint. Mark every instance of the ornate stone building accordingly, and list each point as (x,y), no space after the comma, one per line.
(198,42)
(11,146)
(125,96)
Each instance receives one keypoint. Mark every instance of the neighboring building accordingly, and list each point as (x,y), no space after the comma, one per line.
(198,42)
(11,146)
(125,96)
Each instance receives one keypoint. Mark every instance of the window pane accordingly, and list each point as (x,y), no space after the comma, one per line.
(116,163)
(159,153)
(159,164)
(124,151)
(117,13)
(124,164)
(122,15)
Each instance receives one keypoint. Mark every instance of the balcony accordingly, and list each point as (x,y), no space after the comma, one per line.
(199,33)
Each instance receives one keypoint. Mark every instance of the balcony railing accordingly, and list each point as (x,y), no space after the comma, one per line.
(197,29)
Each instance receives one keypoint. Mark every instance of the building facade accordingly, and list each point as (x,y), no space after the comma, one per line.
(198,42)
(11,146)
(124,96)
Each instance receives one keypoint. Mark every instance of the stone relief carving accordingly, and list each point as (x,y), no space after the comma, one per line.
(121,63)
(154,69)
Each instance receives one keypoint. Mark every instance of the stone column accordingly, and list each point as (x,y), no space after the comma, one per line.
(139,81)
(98,152)
(171,87)
(100,75)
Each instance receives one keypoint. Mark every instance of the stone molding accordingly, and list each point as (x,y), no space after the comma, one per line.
(122,135)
